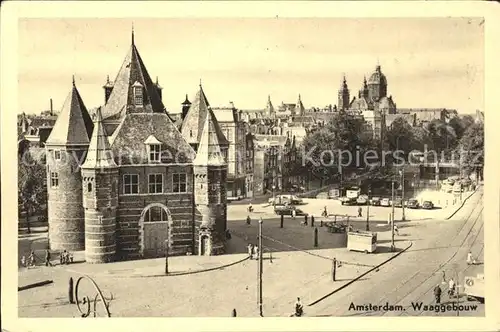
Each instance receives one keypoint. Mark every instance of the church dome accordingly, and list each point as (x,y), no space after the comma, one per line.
(377,77)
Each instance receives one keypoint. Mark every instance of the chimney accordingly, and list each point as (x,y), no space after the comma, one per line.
(51,108)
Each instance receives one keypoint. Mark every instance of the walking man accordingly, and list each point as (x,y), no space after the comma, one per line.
(437,294)
(256,251)
(294,213)
(469,259)
(396,229)
(248,220)
(250,250)
(47,258)
(360,212)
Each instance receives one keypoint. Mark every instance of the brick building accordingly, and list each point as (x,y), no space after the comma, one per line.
(128,183)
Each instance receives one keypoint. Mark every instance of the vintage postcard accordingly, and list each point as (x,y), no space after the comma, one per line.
(250,160)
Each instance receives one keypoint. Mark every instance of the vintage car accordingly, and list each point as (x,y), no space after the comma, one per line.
(427,205)
(375,201)
(347,200)
(398,202)
(362,200)
(412,204)
(286,210)
(385,202)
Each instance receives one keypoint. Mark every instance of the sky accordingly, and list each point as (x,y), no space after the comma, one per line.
(428,62)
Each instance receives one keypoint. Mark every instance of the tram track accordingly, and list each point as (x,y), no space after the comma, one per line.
(442,265)
(413,282)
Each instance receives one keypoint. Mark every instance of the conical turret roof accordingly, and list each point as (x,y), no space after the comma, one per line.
(121,99)
(194,122)
(209,153)
(73,125)
(99,153)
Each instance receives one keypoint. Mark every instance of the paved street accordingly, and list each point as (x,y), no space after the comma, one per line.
(297,269)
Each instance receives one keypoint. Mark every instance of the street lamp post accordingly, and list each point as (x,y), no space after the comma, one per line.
(166,257)
(261,266)
(403,193)
(368,211)
(274,196)
(392,219)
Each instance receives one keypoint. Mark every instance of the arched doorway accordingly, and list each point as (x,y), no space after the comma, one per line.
(155,226)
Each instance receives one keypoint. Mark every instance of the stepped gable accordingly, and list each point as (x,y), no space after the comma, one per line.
(193,124)
(73,125)
(209,153)
(99,152)
(121,99)
(131,135)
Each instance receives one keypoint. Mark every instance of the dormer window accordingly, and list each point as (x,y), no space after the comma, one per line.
(154,149)
(138,95)
(154,152)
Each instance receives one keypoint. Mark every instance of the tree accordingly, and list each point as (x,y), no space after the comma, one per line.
(31,191)
(471,148)
(331,145)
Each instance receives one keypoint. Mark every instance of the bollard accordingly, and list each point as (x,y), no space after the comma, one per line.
(70,290)
(281,221)
(334,268)
(233,314)
(312,221)
(316,237)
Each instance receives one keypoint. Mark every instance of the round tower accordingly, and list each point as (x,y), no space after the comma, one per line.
(100,197)
(66,147)
(210,176)
(377,85)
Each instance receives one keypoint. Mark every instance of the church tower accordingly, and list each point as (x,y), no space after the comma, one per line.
(344,98)
(210,176)
(100,197)
(299,108)
(363,93)
(66,147)
(186,104)
(377,85)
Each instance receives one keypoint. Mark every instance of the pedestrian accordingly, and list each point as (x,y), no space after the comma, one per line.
(299,308)
(68,258)
(23,261)
(469,258)
(305,220)
(233,314)
(250,250)
(312,221)
(437,294)
(248,220)
(294,213)
(62,257)
(444,277)
(360,212)
(325,212)
(389,219)
(256,251)
(47,257)
(451,287)
(31,258)
(396,229)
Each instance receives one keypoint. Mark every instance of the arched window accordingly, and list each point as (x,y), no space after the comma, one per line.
(155,214)
(89,187)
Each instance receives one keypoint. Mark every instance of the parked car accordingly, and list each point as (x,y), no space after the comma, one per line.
(385,202)
(375,201)
(286,199)
(347,200)
(412,204)
(362,200)
(398,202)
(427,205)
(286,210)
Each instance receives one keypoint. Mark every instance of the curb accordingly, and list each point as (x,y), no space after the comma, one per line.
(360,276)
(462,205)
(174,274)
(36,284)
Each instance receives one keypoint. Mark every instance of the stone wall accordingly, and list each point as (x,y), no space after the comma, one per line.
(65,209)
